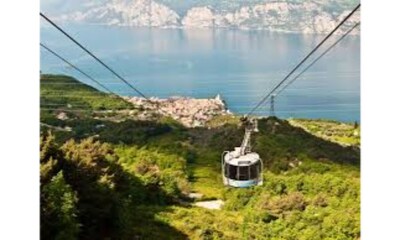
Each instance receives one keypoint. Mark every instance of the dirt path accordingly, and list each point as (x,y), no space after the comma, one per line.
(215,204)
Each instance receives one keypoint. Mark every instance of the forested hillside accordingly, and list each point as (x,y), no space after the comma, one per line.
(107,175)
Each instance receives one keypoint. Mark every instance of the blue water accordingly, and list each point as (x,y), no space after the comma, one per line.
(239,65)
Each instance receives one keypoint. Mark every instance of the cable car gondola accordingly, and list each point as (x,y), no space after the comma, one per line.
(243,168)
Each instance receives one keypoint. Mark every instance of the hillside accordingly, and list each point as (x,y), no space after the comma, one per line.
(65,92)
(341,133)
(282,15)
(113,176)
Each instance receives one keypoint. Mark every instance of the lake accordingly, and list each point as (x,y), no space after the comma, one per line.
(239,65)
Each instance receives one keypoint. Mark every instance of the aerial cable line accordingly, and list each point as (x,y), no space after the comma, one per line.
(92,55)
(75,67)
(82,72)
(318,58)
(102,63)
(312,63)
(304,59)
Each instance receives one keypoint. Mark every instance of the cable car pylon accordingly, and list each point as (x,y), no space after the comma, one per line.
(272,106)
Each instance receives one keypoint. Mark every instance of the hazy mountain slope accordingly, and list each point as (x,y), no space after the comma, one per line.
(127,13)
(280,15)
(308,17)
(230,5)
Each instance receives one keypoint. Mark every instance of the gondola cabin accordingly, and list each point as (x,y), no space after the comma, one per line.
(241,170)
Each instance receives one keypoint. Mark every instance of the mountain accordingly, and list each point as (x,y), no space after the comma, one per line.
(281,15)
(286,16)
(307,17)
(127,13)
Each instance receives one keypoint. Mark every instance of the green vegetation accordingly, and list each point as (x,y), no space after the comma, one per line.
(342,133)
(221,120)
(58,91)
(130,179)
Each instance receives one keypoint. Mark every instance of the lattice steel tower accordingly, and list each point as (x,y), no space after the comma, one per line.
(272,107)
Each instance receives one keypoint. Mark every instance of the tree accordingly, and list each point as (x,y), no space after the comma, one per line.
(49,155)
(58,210)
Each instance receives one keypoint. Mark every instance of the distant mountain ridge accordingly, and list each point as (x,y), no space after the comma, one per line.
(281,15)
(127,13)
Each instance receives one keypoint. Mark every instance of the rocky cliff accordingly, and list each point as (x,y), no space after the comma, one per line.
(280,15)
(127,13)
(307,17)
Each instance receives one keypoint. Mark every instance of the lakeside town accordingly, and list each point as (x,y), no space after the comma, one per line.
(190,112)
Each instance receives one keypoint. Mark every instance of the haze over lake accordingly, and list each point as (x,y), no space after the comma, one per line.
(239,65)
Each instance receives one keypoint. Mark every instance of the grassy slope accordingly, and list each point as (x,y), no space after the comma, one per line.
(311,188)
(60,93)
(57,91)
(342,133)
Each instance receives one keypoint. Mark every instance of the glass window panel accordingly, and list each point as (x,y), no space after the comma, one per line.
(232,172)
(244,173)
(255,170)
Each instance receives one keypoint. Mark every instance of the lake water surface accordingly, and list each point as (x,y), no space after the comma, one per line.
(239,65)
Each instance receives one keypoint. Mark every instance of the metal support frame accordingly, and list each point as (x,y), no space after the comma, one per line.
(251,126)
